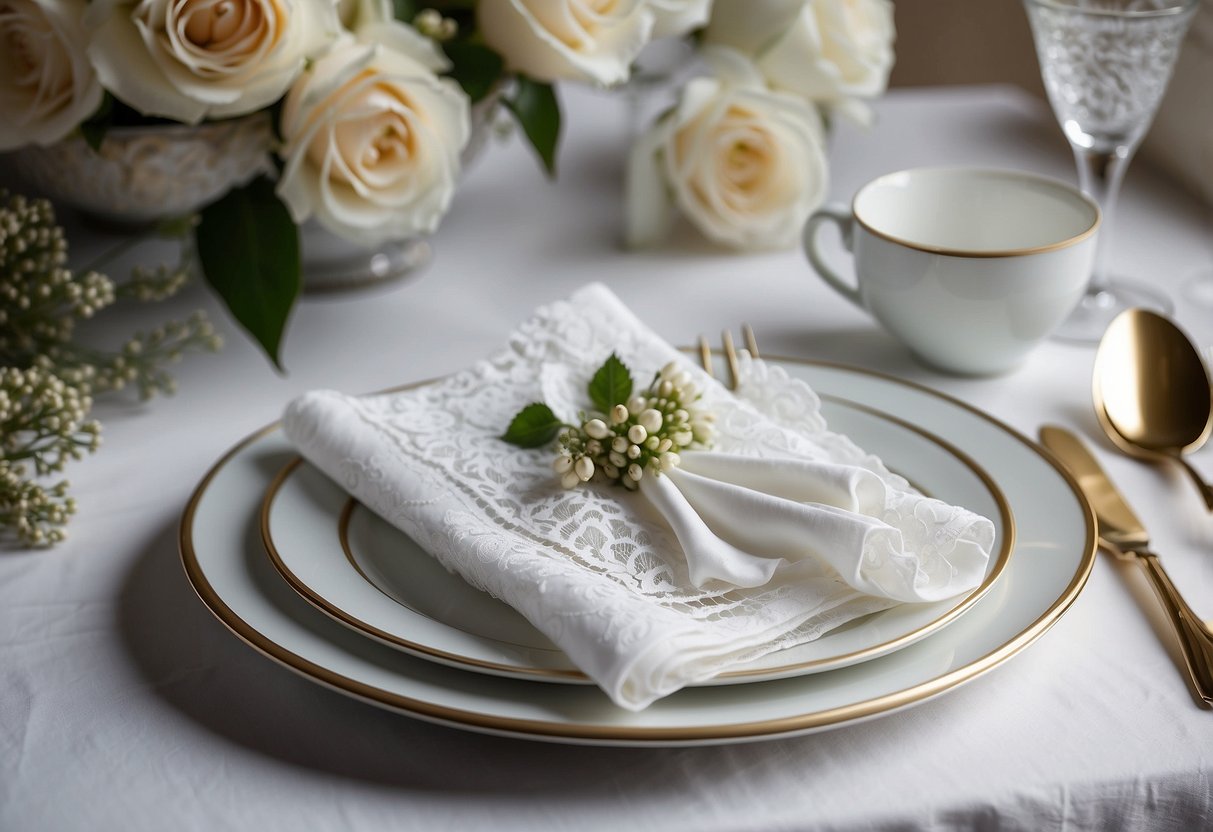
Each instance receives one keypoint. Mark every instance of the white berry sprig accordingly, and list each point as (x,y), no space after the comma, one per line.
(627,435)
(43,425)
(42,301)
(48,377)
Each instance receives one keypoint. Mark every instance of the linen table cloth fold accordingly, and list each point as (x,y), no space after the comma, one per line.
(779,533)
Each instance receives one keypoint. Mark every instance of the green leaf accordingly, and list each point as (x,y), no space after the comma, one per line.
(534,426)
(476,67)
(406,10)
(611,385)
(98,124)
(94,133)
(537,111)
(249,249)
(176,228)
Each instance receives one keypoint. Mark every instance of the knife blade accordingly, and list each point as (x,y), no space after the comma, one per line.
(1117,521)
(1125,536)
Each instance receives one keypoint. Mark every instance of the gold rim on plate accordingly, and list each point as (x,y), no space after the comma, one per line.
(640,735)
(427,651)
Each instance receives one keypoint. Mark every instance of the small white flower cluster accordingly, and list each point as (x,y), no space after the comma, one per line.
(143,358)
(42,425)
(646,434)
(34,281)
(41,301)
(42,419)
(152,285)
(432,24)
(33,514)
(47,380)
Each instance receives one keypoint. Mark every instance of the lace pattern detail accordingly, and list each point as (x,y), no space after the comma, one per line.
(596,571)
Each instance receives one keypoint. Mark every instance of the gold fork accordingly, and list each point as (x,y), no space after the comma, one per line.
(730,353)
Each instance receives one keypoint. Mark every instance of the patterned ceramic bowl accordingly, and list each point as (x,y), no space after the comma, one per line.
(143,174)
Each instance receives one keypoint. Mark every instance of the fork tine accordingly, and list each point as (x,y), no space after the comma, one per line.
(751,343)
(705,357)
(730,357)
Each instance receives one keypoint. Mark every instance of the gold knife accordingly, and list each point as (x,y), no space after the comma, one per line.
(1123,535)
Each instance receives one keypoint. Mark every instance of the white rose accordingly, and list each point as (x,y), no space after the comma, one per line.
(46,84)
(746,165)
(373,136)
(572,40)
(822,50)
(193,59)
(674,18)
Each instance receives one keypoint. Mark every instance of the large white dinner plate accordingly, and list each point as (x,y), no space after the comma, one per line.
(370,576)
(1054,550)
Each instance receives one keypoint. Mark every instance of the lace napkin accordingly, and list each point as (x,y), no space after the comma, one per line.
(781,532)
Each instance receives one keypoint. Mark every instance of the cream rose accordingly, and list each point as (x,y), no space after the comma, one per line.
(373,137)
(673,18)
(744,164)
(574,40)
(47,86)
(193,59)
(822,50)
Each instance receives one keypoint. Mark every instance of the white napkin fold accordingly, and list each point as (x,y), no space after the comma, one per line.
(740,519)
(778,534)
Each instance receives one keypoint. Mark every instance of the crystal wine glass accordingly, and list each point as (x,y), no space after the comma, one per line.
(1106,64)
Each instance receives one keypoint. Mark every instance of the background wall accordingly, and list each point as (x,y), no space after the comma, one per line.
(989,42)
(964,41)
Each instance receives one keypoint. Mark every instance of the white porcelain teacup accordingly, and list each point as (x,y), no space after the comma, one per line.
(970,268)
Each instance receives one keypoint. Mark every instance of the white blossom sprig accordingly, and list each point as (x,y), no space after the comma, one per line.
(48,378)
(42,302)
(43,426)
(628,436)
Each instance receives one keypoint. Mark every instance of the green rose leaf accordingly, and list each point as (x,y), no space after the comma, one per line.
(474,66)
(406,10)
(611,385)
(534,426)
(537,111)
(249,249)
(94,128)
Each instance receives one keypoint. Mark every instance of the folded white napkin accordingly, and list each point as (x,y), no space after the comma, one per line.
(778,534)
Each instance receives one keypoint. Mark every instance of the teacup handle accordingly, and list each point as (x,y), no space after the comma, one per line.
(841,215)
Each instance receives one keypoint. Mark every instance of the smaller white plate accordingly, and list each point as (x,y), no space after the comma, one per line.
(224,559)
(371,577)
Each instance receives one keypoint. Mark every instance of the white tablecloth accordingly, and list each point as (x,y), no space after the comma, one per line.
(125,705)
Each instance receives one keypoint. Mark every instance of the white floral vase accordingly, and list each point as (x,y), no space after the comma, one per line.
(141,175)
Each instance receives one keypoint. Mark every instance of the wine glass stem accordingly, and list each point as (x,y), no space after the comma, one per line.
(1100,173)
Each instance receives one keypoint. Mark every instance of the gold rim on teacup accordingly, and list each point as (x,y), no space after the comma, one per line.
(949,251)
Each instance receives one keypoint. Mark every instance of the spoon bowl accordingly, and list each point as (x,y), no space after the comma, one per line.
(1152,391)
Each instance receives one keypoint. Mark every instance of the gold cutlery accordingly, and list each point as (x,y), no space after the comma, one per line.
(1122,534)
(1151,391)
(730,352)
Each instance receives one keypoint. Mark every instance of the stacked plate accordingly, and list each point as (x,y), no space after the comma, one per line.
(291,565)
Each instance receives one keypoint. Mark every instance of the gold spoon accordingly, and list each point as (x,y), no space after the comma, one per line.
(1152,391)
